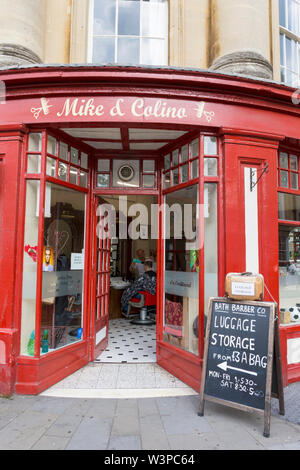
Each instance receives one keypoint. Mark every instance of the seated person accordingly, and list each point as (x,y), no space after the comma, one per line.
(137,266)
(146,282)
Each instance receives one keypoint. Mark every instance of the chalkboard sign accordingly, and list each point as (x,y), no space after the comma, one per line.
(238,356)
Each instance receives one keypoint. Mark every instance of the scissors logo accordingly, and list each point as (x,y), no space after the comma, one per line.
(45,107)
(209,115)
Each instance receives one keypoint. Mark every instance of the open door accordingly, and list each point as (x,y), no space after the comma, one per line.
(101,278)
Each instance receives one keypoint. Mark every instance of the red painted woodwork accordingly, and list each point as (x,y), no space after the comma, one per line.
(251,118)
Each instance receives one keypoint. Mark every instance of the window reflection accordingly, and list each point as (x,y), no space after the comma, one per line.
(104,16)
(129,17)
(128,51)
(129,32)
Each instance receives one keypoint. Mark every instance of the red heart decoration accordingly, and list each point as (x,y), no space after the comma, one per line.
(31,251)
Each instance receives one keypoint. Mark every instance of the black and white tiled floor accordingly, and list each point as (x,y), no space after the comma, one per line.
(128,343)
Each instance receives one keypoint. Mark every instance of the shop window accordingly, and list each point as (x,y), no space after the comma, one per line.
(128,32)
(63,257)
(289,237)
(289,207)
(181,273)
(53,263)
(289,274)
(289,14)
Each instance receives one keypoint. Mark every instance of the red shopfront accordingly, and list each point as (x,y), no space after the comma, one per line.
(190,138)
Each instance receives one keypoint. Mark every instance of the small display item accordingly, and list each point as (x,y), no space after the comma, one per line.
(295,313)
(285,316)
(244,286)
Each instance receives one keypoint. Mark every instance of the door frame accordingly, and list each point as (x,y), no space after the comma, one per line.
(96,350)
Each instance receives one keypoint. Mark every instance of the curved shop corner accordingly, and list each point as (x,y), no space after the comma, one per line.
(75,138)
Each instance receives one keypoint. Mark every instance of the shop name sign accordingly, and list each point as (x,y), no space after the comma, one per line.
(135,108)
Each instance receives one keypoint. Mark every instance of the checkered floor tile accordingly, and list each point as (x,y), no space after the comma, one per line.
(128,343)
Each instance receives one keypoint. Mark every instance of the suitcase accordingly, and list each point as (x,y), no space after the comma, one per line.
(244,286)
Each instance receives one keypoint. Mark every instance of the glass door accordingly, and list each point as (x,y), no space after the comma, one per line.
(101,268)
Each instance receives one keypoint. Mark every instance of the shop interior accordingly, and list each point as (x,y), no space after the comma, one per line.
(132,325)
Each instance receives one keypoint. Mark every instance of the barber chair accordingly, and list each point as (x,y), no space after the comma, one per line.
(147,307)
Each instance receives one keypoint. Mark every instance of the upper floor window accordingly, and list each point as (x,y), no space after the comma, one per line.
(128,32)
(289,19)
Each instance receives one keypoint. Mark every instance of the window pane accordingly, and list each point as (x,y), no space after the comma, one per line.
(84,160)
(293,16)
(195,168)
(210,146)
(155,18)
(288,207)
(282,49)
(129,17)
(294,180)
(293,162)
(51,167)
(30,266)
(63,151)
(35,143)
(51,145)
(154,52)
(184,153)
(184,170)
(284,163)
(33,163)
(104,16)
(167,162)
(181,283)
(288,45)
(73,175)
(148,166)
(128,51)
(74,156)
(167,180)
(83,179)
(284,179)
(104,50)
(148,181)
(175,176)
(103,165)
(63,267)
(175,159)
(210,167)
(282,13)
(103,181)
(195,148)
(210,243)
(289,271)
(63,171)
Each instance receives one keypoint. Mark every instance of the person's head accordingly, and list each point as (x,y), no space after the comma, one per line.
(148,265)
(47,255)
(140,254)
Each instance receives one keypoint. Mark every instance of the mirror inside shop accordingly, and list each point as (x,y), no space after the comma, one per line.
(289,274)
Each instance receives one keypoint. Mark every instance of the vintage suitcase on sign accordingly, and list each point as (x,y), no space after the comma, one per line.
(244,286)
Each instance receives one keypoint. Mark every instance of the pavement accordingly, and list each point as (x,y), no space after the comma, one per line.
(139,421)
